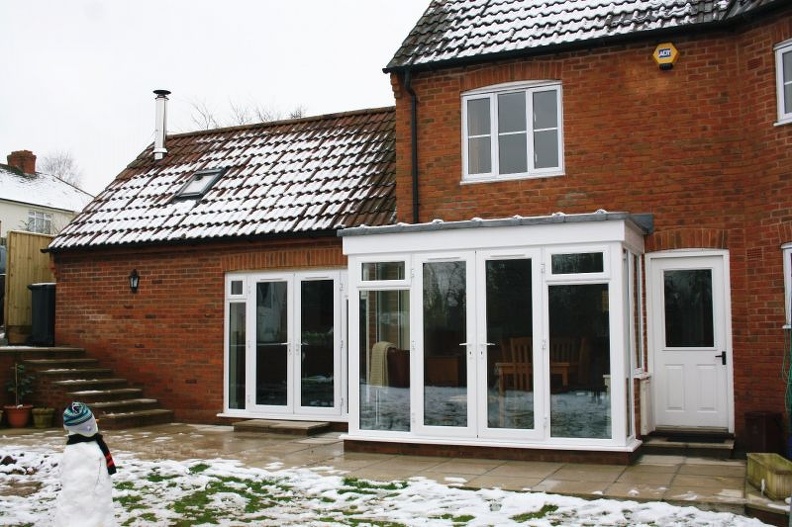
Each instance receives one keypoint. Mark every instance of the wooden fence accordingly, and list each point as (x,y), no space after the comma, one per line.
(26,265)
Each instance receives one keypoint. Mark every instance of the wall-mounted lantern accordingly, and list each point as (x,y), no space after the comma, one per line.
(134,281)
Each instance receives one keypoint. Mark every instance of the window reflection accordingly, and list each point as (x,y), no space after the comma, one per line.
(688,308)
(271,343)
(579,361)
(384,360)
(317,356)
(444,336)
(236,355)
(510,397)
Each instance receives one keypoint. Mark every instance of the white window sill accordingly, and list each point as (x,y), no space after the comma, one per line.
(784,121)
(468,180)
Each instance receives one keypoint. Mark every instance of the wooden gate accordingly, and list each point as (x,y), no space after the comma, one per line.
(26,265)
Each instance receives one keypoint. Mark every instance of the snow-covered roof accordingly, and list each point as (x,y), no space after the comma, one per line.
(288,178)
(42,190)
(454,32)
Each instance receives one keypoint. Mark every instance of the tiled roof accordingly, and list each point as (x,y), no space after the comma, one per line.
(42,190)
(297,177)
(458,31)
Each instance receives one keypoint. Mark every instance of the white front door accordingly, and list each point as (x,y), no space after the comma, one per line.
(690,340)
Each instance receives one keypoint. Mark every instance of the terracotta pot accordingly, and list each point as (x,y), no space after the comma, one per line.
(18,416)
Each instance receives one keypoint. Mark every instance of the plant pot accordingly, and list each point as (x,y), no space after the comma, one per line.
(18,416)
(42,417)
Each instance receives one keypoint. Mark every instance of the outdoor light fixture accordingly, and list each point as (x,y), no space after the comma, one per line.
(134,281)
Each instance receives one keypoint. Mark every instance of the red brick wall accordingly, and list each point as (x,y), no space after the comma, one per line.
(696,146)
(169,336)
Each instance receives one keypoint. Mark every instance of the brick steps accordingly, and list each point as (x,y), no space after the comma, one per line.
(65,374)
(714,446)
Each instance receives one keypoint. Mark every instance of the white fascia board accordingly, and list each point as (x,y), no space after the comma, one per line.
(496,237)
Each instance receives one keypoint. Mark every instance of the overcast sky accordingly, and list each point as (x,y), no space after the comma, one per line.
(79,75)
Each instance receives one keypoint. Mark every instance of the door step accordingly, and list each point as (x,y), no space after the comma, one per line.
(693,444)
(272,426)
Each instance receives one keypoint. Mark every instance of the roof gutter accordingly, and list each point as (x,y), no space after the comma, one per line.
(413,143)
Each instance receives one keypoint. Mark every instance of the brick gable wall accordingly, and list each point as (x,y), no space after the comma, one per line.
(696,146)
(169,336)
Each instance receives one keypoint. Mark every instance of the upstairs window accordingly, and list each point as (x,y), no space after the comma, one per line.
(199,183)
(784,81)
(40,222)
(512,131)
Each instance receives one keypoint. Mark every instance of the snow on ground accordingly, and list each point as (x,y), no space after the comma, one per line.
(227,493)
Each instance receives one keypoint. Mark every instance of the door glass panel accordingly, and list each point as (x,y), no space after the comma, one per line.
(271,344)
(688,308)
(317,364)
(445,351)
(510,394)
(384,360)
(579,360)
(236,355)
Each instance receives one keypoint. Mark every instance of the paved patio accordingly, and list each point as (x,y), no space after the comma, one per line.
(706,483)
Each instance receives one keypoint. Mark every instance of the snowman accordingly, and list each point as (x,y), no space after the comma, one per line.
(86,496)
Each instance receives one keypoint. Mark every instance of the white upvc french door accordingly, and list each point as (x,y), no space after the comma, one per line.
(294,350)
(444,366)
(472,311)
(511,370)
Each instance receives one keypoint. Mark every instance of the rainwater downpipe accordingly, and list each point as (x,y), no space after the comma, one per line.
(413,143)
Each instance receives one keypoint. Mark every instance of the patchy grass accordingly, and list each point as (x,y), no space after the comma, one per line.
(541,513)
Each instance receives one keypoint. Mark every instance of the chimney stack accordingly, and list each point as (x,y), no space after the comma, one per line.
(24,160)
(160,124)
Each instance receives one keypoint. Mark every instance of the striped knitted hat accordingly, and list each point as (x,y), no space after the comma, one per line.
(78,419)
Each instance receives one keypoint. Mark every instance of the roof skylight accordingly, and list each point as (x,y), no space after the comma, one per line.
(199,183)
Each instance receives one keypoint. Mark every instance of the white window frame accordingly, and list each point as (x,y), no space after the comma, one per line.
(784,116)
(294,277)
(39,222)
(786,253)
(491,93)
(200,183)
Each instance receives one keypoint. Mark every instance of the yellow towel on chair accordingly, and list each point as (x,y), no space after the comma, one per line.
(378,363)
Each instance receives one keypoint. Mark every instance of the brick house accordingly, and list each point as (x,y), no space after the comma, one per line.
(590,241)
(228,225)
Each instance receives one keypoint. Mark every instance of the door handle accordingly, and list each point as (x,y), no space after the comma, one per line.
(722,357)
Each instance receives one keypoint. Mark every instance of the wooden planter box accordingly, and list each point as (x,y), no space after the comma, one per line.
(774,470)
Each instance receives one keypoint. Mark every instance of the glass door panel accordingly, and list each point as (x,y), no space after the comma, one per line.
(689,314)
(384,360)
(236,355)
(509,356)
(272,346)
(317,357)
(445,390)
(578,357)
